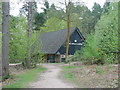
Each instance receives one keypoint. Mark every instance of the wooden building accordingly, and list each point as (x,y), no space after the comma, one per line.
(54,44)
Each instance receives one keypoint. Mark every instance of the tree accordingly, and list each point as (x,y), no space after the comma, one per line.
(81,17)
(60,14)
(102,46)
(18,39)
(53,21)
(1,38)
(46,4)
(0,17)
(107,33)
(68,26)
(96,12)
(5,39)
(106,7)
(39,20)
(25,8)
(30,17)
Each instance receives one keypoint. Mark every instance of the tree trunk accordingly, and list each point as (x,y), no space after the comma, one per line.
(5,39)
(29,33)
(68,26)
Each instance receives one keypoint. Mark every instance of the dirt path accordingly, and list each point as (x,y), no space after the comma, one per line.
(50,78)
(0,85)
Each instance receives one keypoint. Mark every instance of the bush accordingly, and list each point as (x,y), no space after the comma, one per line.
(90,54)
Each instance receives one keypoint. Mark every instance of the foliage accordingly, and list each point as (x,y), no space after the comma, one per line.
(102,46)
(22,80)
(97,10)
(39,20)
(90,53)
(53,24)
(24,9)
(60,14)
(80,16)
(18,38)
(96,13)
(107,33)
(101,41)
(106,7)
(46,4)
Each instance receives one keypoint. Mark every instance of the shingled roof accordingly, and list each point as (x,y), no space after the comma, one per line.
(52,41)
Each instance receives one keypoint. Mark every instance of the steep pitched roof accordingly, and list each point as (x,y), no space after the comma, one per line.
(52,41)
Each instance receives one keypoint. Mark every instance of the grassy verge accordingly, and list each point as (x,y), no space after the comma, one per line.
(67,74)
(22,80)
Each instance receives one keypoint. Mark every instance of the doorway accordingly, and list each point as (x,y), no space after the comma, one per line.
(51,58)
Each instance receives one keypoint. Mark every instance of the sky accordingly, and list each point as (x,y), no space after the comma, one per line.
(17,4)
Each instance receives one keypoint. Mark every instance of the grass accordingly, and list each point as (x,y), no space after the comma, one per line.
(23,79)
(68,75)
(99,70)
(70,67)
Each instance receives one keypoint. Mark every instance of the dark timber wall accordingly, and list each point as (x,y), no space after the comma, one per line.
(72,48)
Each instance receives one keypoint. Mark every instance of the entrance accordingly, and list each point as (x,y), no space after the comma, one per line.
(51,58)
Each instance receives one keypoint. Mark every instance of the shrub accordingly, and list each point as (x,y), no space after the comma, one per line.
(102,46)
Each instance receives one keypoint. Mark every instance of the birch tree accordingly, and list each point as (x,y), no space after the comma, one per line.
(5,39)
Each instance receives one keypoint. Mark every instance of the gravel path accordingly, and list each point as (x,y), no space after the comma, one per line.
(50,78)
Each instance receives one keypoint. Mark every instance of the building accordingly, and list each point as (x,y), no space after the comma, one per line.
(54,44)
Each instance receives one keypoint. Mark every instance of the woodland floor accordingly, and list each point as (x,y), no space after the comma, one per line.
(75,76)
(92,76)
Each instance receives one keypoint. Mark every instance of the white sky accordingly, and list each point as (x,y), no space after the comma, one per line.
(17,4)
